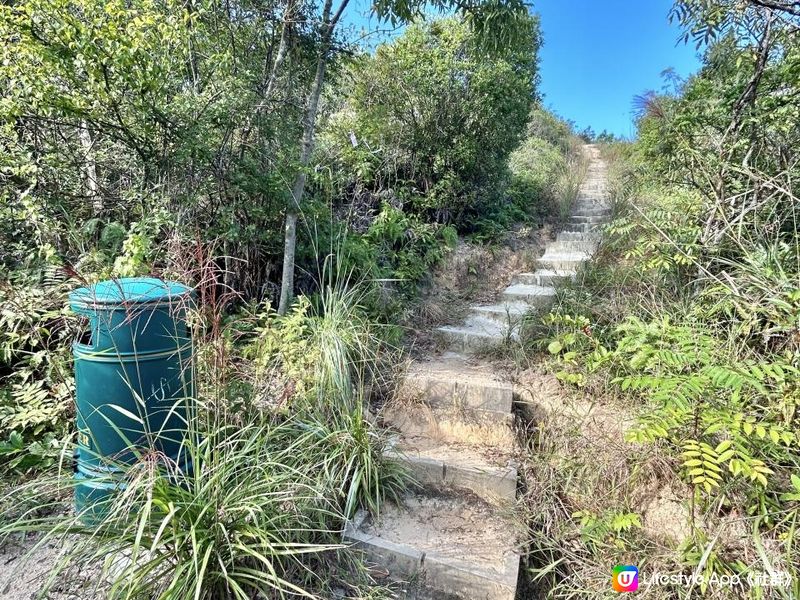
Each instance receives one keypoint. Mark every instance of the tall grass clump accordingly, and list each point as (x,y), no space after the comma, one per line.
(352,362)
(244,521)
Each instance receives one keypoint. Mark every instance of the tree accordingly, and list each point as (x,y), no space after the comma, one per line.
(732,132)
(133,116)
(496,22)
(434,120)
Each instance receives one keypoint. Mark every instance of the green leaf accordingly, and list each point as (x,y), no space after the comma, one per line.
(722,446)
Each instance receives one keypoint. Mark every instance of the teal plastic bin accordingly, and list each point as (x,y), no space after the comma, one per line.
(134,382)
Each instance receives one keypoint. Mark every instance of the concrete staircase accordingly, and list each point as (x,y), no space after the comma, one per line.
(486,326)
(454,536)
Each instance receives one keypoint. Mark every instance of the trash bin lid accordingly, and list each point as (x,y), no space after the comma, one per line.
(128,290)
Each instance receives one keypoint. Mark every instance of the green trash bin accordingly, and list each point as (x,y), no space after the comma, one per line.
(134,383)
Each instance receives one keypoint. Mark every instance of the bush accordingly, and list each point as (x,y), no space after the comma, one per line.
(546,171)
(392,254)
(434,117)
(536,167)
(544,125)
(36,384)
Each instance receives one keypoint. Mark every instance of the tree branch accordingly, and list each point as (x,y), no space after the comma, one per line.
(792,8)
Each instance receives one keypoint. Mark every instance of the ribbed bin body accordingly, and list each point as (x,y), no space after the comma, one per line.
(133,379)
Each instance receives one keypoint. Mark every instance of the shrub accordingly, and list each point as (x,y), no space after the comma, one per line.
(281,453)
(36,383)
(544,125)
(539,180)
(387,260)
(434,117)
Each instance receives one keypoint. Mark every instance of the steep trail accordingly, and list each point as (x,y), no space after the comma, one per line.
(455,536)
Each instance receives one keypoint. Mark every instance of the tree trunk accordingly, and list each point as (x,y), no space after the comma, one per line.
(306,148)
(287,278)
(90,169)
(277,65)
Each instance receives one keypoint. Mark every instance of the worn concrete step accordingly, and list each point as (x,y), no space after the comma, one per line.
(588,219)
(564,261)
(582,227)
(443,465)
(544,277)
(476,334)
(535,295)
(453,380)
(577,236)
(558,247)
(591,213)
(590,210)
(451,547)
(509,313)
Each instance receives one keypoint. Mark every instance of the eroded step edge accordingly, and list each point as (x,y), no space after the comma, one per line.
(432,571)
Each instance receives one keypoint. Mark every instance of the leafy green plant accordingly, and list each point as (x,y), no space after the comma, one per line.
(433,117)
(35,382)
(718,412)
(659,235)
(607,528)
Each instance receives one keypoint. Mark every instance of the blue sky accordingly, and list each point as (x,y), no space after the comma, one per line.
(597,55)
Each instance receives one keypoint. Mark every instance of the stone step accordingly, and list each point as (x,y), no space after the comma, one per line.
(564,261)
(441,465)
(544,277)
(451,547)
(587,219)
(590,208)
(476,334)
(582,227)
(592,213)
(452,425)
(535,295)
(559,247)
(453,380)
(576,236)
(455,423)
(509,313)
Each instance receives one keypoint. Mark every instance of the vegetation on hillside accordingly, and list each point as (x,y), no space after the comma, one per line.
(167,139)
(688,325)
(234,146)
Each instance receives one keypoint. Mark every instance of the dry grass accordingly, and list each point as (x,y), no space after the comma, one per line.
(580,477)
